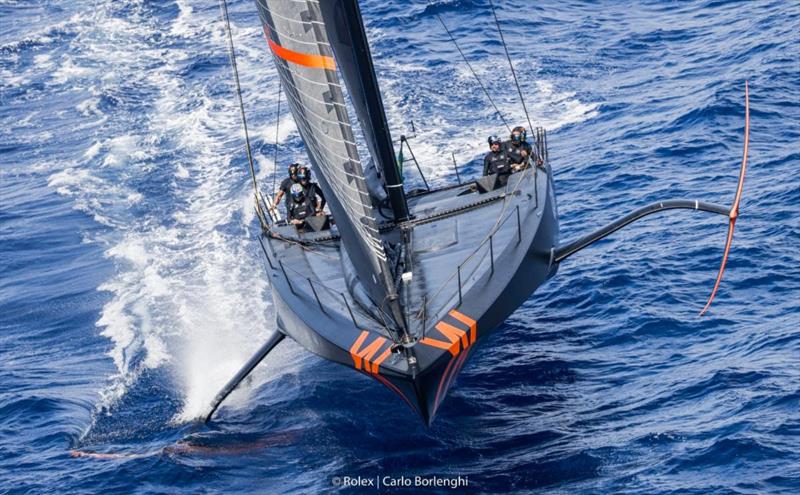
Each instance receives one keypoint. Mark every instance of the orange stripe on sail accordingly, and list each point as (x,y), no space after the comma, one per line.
(304,59)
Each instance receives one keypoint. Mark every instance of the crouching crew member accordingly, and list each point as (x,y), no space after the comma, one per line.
(312,189)
(496,161)
(518,149)
(300,206)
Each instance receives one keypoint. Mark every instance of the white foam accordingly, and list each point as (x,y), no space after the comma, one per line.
(42,59)
(285,129)
(181,172)
(67,70)
(439,130)
(117,325)
(181,293)
(182,25)
(121,150)
(93,150)
(89,107)
(190,293)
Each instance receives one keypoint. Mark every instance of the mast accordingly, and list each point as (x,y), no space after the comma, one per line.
(297,36)
(351,48)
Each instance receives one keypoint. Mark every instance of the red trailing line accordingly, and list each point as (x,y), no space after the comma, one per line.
(734,214)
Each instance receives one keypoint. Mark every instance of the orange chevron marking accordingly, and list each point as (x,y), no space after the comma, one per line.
(364,356)
(381,358)
(466,320)
(453,335)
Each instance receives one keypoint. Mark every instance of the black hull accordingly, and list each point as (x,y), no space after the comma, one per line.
(423,372)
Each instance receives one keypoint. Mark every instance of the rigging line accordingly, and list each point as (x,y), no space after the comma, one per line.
(223,4)
(513,72)
(277,134)
(493,230)
(302,246)
(464,57)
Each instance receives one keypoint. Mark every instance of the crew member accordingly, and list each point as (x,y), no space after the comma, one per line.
(312,189)
(496,161)
(518,149)
(286,185)
(300,206)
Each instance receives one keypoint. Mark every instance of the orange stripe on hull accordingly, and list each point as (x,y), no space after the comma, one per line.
(466,320)
(452,334)
(394,388)
(436,343)
(304,59)
(441,383)
(447,377)
(381,358)
(363,355)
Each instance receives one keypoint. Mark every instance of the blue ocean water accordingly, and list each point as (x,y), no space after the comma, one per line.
(132,287)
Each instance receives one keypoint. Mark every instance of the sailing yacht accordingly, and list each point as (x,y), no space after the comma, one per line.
(404,284)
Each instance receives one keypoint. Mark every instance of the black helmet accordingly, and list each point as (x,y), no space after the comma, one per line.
(519,134)
(494,139)
(297,192)
(304,173)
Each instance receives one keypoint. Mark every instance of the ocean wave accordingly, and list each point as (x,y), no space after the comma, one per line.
(131,290)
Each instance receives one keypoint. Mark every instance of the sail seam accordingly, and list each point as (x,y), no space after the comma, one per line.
(311,81)
(341,157)
(302,23)
(337,121)
(323,102)
(284,36)
(336,179)
(316,98)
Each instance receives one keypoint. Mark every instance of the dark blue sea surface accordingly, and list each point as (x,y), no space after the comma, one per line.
(132,285)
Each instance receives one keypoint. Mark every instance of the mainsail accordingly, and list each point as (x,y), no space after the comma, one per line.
(297,36)
(349,42)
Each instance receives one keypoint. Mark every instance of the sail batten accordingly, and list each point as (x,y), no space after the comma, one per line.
(298,40)
(348,41)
